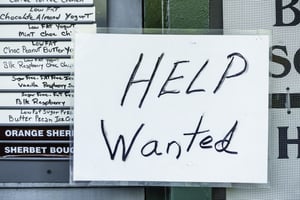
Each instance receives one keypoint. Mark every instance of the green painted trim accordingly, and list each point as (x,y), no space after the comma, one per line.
(177,14)
(190,193)
(157,193)
(152,14)
(191,14)
(181,14)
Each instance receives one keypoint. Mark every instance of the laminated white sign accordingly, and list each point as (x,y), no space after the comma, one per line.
(171,108)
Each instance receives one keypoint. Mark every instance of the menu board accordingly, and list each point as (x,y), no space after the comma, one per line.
(36,90)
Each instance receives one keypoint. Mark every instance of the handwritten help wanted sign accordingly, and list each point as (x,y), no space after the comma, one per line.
(171,108)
